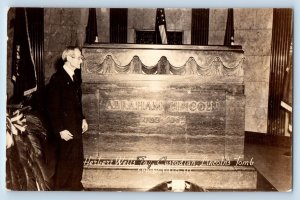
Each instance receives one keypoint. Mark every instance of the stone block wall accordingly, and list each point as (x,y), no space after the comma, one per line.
(253,30)
(62,27)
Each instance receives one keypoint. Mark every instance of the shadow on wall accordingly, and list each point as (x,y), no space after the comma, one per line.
(58,64)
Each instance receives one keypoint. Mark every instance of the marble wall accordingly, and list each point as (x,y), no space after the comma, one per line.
(253,30)
(62,27)
(66,26)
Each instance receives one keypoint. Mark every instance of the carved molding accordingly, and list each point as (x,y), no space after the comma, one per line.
(211,66)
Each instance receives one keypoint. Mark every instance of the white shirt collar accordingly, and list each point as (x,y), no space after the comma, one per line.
(69,70)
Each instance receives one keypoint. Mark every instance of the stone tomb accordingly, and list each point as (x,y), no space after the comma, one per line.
(159,112)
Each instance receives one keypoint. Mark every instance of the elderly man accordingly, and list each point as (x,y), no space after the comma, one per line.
(67,121)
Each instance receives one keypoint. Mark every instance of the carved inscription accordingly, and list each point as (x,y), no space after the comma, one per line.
(134,105)
(175,113)
(162,106)
(193,106)
(172,120)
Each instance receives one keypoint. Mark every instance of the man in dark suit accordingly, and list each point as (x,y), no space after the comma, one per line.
(67,121)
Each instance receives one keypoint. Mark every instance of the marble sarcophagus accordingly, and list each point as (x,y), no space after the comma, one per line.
(164,108)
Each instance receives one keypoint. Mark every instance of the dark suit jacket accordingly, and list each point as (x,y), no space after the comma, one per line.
(64,104)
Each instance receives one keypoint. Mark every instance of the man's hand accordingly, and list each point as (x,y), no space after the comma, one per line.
(66,135)
(85,126)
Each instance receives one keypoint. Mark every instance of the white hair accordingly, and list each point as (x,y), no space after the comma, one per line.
(69,51)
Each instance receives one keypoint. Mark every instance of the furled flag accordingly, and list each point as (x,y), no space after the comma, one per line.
(229,34)
(161,27)
(91,28)
(23,66)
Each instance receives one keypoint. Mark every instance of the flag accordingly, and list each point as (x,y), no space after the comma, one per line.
(23,65)
(91,28)
(161,27)
(229,34)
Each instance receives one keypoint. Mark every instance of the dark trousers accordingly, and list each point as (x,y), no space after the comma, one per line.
(69,166)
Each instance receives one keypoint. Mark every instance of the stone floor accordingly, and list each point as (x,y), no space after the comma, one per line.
(273,163)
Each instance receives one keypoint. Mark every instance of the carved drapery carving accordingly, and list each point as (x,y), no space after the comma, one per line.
(163,59)
(214,66)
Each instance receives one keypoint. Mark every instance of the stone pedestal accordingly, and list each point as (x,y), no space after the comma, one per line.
(143,179)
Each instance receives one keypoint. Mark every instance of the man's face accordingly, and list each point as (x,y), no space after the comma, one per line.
(76,59)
